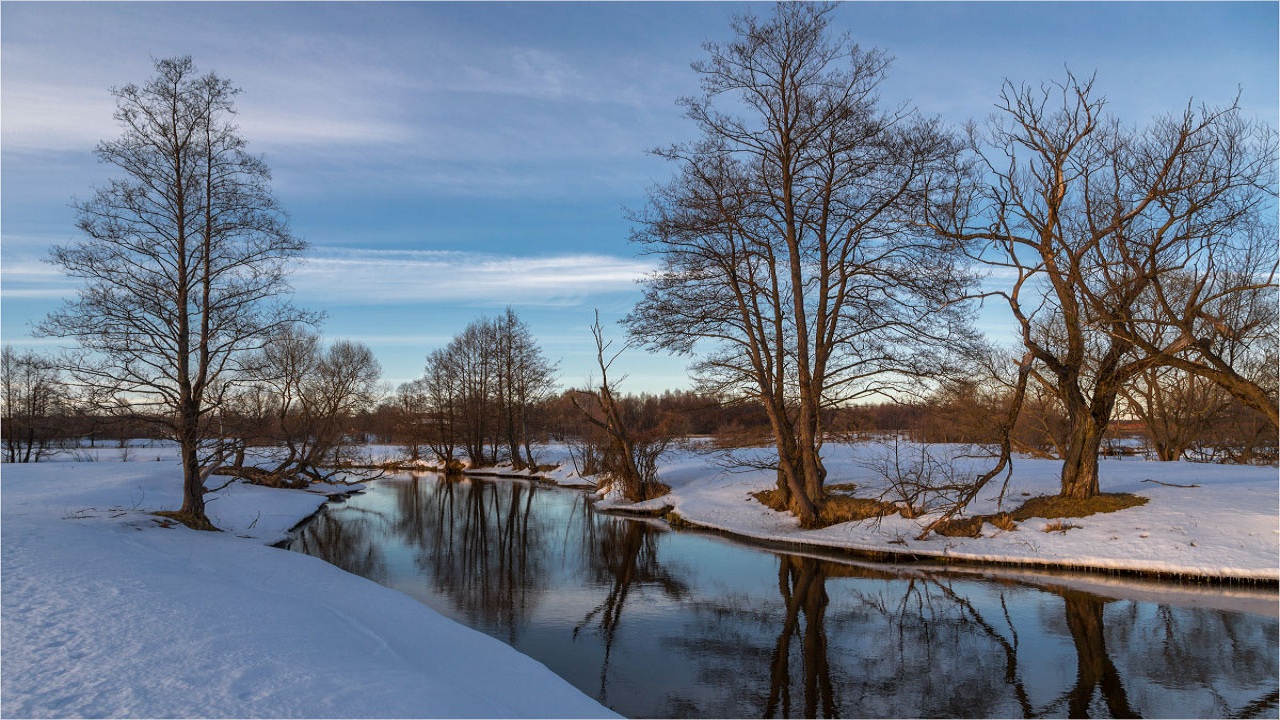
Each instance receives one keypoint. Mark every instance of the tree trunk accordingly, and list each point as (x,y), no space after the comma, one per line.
(1080,464)
(192,513)
(193,489)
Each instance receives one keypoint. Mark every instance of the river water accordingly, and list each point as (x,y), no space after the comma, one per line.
(658,623)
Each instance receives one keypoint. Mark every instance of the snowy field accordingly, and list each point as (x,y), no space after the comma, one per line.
(108,614)
(1226,527)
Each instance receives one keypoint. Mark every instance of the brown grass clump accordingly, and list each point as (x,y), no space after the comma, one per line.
(842,508)
(961,527)
(1003,520)
(837,508)
(771,499)
(654,489)
(1060,526)
(1056,506)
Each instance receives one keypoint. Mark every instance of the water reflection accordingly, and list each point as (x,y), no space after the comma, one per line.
(802,583)
(661,624)
(351,544)
(478,544)
(1094,668)
(620,556)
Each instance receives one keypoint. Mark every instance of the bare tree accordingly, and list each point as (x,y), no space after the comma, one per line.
(482,389)
(443,400)
(1176,407)
(631,453)
(32,396)
(525,379)
(1097,224)
(412,413)
(785,243)
(312,394)
(183,260)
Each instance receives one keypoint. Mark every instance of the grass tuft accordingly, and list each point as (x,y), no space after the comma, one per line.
(1060,526)
(838,508)
(1056,506)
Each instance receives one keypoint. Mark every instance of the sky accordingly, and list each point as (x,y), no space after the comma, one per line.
(446,160)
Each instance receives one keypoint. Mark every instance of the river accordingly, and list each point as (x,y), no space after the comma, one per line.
(660,623)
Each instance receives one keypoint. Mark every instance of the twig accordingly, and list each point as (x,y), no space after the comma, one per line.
(220,487)
(1158,482)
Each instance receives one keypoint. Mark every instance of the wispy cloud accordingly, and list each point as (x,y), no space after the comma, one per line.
(33,279)
(350,276)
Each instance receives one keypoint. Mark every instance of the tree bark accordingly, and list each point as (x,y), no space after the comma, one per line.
(1080,465)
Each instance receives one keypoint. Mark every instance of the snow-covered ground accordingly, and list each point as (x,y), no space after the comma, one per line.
(1228,526)
(106,613)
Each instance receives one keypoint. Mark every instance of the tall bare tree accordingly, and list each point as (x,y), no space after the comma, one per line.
(183,260)
(785,244)
(482,388)
(32,396)
(525,379)
(442,391)
(1099,225)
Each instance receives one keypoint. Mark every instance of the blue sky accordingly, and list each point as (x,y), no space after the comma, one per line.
(446,160)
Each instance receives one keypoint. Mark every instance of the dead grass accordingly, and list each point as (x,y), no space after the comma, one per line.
(1060,526)
(842,508)
(1003,520)
(838,508)
(961,527)
(771,499)
(1056,506)
(654,489)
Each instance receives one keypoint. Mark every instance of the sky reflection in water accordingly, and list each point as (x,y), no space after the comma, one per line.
(655,623)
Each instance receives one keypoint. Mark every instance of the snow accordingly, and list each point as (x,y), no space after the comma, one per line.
(107,613)
(1227,527)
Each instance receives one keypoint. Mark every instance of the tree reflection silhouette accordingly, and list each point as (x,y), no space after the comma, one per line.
(480,545)
(1094,668)
(348,542)
(622,555)
(802,583)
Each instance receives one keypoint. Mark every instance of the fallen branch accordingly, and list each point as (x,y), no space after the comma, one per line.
(1159,482)
(1005,463)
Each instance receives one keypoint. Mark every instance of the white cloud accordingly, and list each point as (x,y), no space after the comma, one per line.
(29,278)
(349,276)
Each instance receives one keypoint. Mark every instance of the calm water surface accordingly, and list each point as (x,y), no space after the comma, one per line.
(655,623)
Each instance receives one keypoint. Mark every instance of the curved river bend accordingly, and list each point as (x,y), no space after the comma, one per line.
(656,623)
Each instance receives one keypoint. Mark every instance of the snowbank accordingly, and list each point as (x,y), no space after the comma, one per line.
(107,613)
(1228,527)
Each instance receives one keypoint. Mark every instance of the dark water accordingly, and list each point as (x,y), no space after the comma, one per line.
(656,623)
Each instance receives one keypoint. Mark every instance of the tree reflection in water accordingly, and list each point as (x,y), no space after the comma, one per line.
(1094,668)
(480,544)
(348,542)
(802,582)
(604,602)
(919,644)
(622,556)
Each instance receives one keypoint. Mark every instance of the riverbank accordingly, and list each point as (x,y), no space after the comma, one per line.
(109,611)
(1201,521)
